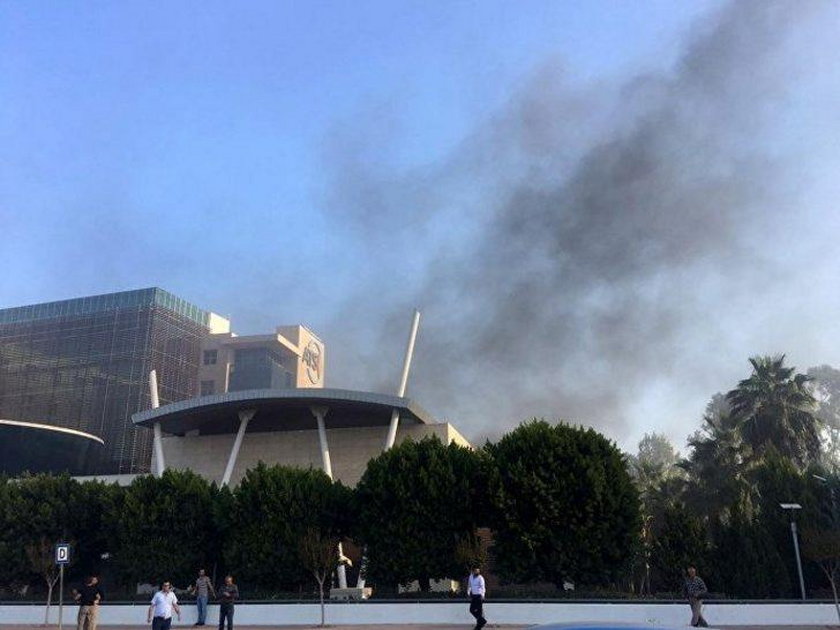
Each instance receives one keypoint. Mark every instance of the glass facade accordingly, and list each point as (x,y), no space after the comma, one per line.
(259,368)
(85,363)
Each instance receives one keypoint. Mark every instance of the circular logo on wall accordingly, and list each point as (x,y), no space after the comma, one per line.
(312,360)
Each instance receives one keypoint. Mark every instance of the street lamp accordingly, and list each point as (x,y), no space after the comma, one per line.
(791,508)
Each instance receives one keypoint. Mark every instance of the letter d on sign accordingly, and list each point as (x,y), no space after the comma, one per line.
(62,553)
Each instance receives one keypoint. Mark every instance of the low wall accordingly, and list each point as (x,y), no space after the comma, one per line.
(454,613)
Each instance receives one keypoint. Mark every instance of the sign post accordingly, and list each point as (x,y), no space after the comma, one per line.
(62,557)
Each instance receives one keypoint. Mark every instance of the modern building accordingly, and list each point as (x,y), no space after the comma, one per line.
(221,436)
(84,364)
(292,357)
(41,448)
(227,402)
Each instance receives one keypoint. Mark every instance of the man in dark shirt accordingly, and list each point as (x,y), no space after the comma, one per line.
(88,597)
(228,594)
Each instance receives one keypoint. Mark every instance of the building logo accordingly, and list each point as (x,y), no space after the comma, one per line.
(312,361)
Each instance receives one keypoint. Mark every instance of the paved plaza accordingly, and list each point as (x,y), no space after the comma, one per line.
(71,626)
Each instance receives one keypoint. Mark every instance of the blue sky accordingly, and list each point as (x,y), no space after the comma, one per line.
(191,125)
(192,146)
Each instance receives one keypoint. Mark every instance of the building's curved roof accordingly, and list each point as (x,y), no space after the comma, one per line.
(281,410)
(45,448)
(37,426)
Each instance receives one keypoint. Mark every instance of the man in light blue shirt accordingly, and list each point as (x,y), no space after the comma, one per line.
(476,591)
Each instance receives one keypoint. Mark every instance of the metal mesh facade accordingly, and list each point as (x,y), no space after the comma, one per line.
(85,364)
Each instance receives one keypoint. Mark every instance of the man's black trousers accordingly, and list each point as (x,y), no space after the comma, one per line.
(477,610)
(225,610)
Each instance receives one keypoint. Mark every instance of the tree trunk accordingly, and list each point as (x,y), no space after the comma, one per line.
(425,584)
(834,590)
(49,601)
(321,593)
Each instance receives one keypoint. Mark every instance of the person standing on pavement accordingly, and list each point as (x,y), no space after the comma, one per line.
(160,610)
(202,588)
(476,590)
(228,594)
(695,590)
(88,597)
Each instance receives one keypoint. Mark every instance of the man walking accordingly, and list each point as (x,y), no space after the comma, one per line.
(88,597)
(228,594)
(202,588)
(160,610)
(695,590)
(476,591)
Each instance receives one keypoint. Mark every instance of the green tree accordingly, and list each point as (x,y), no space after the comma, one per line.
(716,467)
(51,505)
(777,480)
(163,528)
(318,549)
(775,408)
(653,467)
(680,539)
(42,561)
(91,511)
(823,547)
(37,512)
(418,503)
(746,561)
(273,509)
(660,482)
(12,554)
(564,506)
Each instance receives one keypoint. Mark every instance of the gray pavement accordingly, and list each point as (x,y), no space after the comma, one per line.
(70,626)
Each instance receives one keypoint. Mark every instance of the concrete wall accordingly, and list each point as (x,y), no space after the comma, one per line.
(522,614)
(350,449)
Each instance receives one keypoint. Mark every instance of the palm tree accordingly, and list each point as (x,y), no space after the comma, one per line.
(717,465)
(774,408)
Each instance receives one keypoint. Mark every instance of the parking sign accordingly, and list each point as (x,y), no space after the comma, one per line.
(62,553)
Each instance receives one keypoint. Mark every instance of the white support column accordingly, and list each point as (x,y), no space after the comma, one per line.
(320,413)
(409,353)
(392,429)
(244,418)
(160,464)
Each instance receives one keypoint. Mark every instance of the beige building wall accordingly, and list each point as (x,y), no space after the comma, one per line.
(217,372)
(310,355)
(350,449)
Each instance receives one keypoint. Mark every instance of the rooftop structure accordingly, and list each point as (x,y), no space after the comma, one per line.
(292,357)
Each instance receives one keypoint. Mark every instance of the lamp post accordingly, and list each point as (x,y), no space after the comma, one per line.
(791,509)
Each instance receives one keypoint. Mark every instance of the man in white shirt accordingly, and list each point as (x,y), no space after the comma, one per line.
(476,591)
(160,611)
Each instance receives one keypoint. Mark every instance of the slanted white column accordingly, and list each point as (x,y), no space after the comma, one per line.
(160,464)
(244,418)
(320,413)
(392,429)
(409,353)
